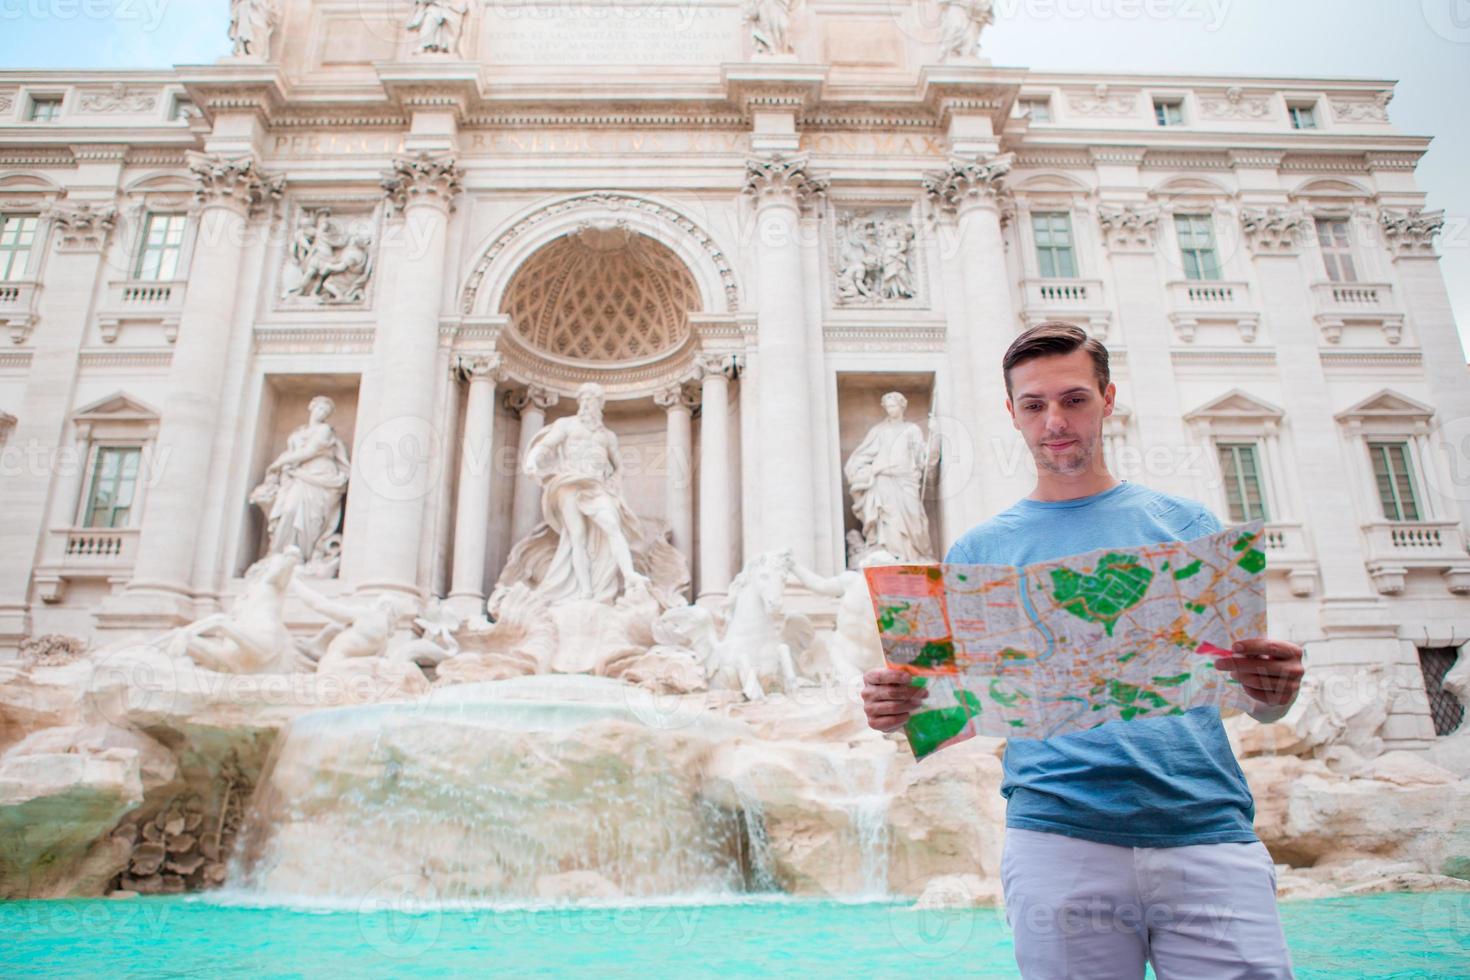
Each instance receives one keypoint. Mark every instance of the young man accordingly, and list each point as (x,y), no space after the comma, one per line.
(1132,841)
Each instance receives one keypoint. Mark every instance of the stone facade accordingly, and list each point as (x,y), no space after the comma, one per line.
(448,221)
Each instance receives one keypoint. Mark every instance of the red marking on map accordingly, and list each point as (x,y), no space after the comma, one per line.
(1208,647)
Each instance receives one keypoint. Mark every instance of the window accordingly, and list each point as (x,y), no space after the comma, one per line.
(17,238)
(45,108)
(1243,496)
(1444,708)
(1197,246)
(114,480)
(1038,109)
(1302,116)
(1169,112)
(1337,251)
(1054,253)
(163,236)
(1395,486)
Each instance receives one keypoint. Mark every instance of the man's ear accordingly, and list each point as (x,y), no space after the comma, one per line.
(1110,395)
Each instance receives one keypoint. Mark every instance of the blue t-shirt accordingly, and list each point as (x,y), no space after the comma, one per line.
(1155,782)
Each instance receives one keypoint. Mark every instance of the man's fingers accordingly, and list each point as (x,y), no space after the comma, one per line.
(1260,646)
(884,676)
(1255,667)
(894,695)
(887,723)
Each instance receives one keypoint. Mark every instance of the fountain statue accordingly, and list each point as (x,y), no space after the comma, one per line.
(303,490)
(886,474)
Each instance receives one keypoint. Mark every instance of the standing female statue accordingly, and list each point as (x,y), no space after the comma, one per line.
(303,490)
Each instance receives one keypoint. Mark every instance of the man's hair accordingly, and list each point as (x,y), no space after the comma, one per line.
(1050,339)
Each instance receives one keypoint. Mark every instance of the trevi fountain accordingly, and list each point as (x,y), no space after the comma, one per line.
(632,690)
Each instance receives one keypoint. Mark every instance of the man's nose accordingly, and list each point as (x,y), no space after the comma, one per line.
(1056,421)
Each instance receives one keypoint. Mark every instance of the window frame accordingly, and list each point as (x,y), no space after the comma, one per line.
(1054,251)
(1339,261)
(1405,447)
(1257,455)
(1293,109)
(1043,101)
(36,100)
(8,271)
(1162,105)
(1191,255)
(175,248)
(100,450)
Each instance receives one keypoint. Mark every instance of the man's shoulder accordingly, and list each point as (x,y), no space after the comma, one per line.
(977,545)
(1185,516)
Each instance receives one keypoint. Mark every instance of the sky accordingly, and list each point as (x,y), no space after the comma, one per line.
(1424,45)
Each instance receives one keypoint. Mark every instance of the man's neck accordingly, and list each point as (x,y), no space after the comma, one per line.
(1054,486)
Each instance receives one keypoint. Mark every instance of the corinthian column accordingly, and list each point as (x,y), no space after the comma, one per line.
(228,190)
(679,476)
(395,462)
(782,186)
(476,471)
(526,507)
(971,191)
(715,512)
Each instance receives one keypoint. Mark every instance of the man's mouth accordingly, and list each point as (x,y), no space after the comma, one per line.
(1059,446)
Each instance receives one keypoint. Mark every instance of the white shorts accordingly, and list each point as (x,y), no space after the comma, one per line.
(1080,910)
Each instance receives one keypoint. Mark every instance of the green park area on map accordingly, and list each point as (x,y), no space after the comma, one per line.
(1119,634)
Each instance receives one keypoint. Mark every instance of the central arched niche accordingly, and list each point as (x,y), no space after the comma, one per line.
(602,293)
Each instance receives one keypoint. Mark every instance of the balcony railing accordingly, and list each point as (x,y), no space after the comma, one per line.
(1353,298)
(84,553)
(18,308)
(1287,551)
(1203,298)
(1396,546)
(1080,300)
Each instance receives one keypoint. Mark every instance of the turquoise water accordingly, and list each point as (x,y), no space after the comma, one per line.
(1378,936)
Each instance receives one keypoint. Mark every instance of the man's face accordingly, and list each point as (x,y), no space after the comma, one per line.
(1057,407)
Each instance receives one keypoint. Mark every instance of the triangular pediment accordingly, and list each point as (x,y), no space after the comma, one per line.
(1387,404)
(1235,404)
(117,407)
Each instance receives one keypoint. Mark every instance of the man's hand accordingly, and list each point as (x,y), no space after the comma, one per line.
(889,697)
(1269,670)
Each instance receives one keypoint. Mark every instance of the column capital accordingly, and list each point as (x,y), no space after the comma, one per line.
(782,179)
(234,182)
(1411,232)
(724,365)
(969,181)
(1274,231)
(674,397)
(82,226)
(423,178)
(531,396)
(1128,227)
(480,367)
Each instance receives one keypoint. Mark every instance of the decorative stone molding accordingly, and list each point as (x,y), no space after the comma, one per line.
(119,98)
(7,102)
(874,258)
(82,227)
(1410,232)
(602,202)
(329,261)
(1128,227)
(423,177)
(531,396)
(1273,231)
(233,182)
(1235,105)
(676,395)
(20,326)
(1102,102)
(1360,110)
(965,182)
(481,367)
(727,364)
(785,179)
